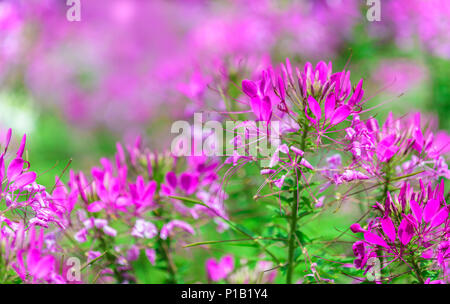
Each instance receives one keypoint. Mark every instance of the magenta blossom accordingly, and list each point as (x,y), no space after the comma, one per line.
(168,229)
(413,227)
(219,270)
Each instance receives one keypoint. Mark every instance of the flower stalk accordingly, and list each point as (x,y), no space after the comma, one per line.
(294,215)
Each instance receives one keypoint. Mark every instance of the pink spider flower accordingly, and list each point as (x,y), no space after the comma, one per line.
(32,262)
(35,268)
(94,223)
(331,116)
(219,270)
(308,90)
(411,222)
(63,201)
(372,147)
(144,229)
(21,191)
(336,174)
(199,180)
(141,194)
(17,177)
(169,228)
(260,101)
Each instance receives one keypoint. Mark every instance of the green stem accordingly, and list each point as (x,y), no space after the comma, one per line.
(291,244)
(385,195)
(294,216)
(417,271)
(111,258)
(164,247)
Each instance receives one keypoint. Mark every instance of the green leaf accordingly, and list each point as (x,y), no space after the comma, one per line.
(303,238)
(189,200)
(216,242)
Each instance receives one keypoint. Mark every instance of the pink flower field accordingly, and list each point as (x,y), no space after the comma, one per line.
(224,142)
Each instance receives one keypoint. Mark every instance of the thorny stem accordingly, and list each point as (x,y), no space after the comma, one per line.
(294,217)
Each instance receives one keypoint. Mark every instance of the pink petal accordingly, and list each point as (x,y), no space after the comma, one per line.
(255,103)
(19,267)
(8,139)
(306,164)
(418,140)
(165,190)
(95,206)
(427,254)
(356,227)
(171,179)
(33,259)
(388,228)
(249,88)
(150,191)
(405,231)
(281,88)
(263,84)
(151,255)
(357,95)
(372,125)
(340,115)
(188,182)
(167,229)
(375,239)
(215,272)
(24,179)
(297,151)
(2,171)
(439,218)
(266,109)
(417,211)
(430,209)
(227,264)
(44,267)
(15,168)
(315,108)
(109,231)
(330,104)
(386,148)
(22,146)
